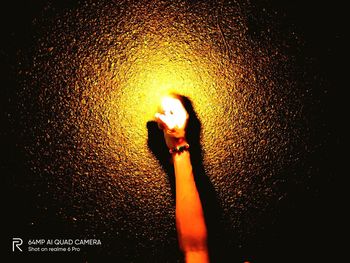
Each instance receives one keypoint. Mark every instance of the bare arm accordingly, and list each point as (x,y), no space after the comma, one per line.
(191,228)
(190,223)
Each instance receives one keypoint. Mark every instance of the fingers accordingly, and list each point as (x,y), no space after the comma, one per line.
(173,116)
(167,120)
(161,120)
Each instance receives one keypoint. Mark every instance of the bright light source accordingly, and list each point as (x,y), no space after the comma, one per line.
(173,113)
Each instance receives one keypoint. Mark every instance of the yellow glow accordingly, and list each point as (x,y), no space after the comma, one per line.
(160,73)
(149,69)
(152,74)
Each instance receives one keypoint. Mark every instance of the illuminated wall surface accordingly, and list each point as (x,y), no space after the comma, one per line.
(96,78)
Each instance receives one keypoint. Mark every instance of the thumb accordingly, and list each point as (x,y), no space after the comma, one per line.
(162,121)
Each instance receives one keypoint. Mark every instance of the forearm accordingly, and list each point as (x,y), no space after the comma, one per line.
(190,221)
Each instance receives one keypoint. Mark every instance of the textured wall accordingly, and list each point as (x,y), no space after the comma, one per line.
(95,79)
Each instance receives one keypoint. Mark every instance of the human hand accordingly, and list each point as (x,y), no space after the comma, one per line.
(173,120)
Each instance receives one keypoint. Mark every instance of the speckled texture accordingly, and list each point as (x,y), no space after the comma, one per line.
(94,82)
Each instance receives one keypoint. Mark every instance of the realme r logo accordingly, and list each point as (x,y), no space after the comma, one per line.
(16,243)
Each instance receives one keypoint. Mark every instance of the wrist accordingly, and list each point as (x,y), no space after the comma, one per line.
(179,147)
(180,142)
(178,157)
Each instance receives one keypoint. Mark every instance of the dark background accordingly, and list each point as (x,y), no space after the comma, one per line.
(319,211)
